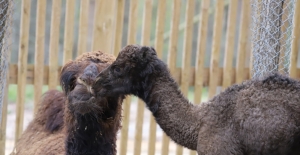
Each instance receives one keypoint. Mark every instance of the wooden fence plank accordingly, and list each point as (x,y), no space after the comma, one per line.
(22,66)
(214,63)
(132,30)
(3,122)
(172,58)
(229,45)
(146,29)
(295,45)
(243,40)
(39,52)
(69,31)
(160,21)
(201,48)
(186,55)
(83,27)
(103,38)
(119,27)
(54,46)
(200,56)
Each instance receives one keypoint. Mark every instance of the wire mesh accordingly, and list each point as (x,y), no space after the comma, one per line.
(272,24)
(6,11)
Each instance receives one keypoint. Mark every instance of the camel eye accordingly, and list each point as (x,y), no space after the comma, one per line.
(117,69)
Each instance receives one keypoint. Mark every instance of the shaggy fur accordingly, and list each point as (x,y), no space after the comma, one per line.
(76,121)
(257,117)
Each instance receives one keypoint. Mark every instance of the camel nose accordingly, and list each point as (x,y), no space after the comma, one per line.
(89,74)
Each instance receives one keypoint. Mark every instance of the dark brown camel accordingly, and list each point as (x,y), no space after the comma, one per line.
(257,117)
(76,121)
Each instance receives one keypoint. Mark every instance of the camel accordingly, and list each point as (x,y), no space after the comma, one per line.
(259,116)
(75,121)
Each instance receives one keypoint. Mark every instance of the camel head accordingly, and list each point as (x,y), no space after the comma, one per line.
(77,78)
(129,73)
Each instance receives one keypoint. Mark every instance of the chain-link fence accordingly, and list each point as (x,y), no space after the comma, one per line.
(272,24)
(5,31)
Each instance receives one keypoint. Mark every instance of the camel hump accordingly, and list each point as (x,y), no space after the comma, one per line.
(277,80)
(51,111)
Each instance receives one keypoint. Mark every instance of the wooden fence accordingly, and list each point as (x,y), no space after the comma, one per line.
(205,44)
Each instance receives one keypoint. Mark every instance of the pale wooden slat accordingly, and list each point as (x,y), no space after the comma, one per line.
(186,56)
(229,45)
(83,27)
(132,24)
(103,34)
(243,40)
(39,52)
(3,122)
(200,56)
(160,21)
(54,46)
(125,126)
(172,58)
(295,41)
(216,45)
(69,31)
(132,30)
(146,29)
(22,66)
(201,48)
(119,26)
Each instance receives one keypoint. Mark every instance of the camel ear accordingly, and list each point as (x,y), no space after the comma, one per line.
(147,52)
(68,77)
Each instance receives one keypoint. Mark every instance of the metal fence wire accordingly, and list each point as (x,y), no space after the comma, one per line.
(272,24)
(6,10)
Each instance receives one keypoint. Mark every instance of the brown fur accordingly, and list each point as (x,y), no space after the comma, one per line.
(51,131)
(257,117)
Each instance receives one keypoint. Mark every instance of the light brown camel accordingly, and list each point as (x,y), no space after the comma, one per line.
(76,121)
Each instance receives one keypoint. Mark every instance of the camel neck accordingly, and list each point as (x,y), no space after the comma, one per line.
(87,136)
(172,111)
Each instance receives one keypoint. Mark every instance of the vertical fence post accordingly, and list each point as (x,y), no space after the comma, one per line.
(229,45)
(214,63)
(54,44)
(3,122)
(243,40)
(132,31)
(104,22)
(146,29)
(159,40)
(295,43)
(200,55)
(69,31)
(119,27)
(186,56)
(83,27)
(172,58)
(39,52)
(22,66)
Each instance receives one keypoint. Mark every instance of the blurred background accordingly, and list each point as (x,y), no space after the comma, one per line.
(29,92)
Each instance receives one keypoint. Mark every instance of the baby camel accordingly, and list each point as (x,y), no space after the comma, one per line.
(257,117)
(76,121)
